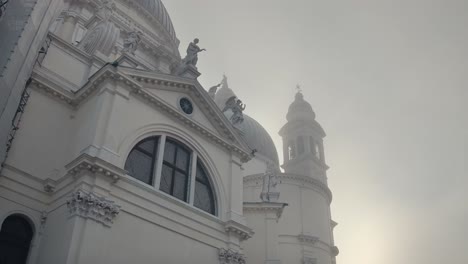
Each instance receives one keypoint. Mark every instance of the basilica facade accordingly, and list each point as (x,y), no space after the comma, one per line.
(113,152)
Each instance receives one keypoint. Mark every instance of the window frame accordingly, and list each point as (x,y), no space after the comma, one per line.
(193,160)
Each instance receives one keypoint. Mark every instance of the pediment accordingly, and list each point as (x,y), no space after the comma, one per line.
(198,115)
(145,85)
(170,89)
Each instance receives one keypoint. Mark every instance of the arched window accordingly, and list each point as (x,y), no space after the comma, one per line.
(300,145)
(168,165)
(140,163)
(203,192)
(15,240)
(291,149)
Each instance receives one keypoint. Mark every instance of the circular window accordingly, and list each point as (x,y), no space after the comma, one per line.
(186,106)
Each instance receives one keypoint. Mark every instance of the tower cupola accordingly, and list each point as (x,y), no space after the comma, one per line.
(302,135)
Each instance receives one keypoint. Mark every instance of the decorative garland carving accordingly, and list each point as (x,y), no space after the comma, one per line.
(230,257)
(92,206)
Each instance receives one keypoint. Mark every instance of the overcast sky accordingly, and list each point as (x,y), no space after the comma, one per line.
(388,81)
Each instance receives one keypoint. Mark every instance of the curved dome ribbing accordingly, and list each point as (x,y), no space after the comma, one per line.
(157,9)
(258,138)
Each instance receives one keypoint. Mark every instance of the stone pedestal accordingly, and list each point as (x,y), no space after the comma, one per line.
(188,71)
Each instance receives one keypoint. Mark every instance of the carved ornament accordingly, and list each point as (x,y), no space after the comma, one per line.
(230,257)
(92,206)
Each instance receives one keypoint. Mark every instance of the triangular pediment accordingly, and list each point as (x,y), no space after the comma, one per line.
(169,89)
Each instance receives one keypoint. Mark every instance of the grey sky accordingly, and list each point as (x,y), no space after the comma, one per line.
(388,82)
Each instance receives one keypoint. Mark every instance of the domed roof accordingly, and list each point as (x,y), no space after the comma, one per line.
(157,9)
(300,109)
(258,138)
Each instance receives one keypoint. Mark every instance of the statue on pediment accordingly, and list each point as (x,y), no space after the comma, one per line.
(192,53)
(212,91)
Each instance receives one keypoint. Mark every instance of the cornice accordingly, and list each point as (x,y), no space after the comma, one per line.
(111,73)
(242,231)
(70,48)
(193,87)
(308,156)
(294,177)
(307,239)
(85,162)
(265,207)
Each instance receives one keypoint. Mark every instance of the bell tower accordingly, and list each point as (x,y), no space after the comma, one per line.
(302,135)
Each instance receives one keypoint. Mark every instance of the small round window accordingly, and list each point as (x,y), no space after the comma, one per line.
(186,106)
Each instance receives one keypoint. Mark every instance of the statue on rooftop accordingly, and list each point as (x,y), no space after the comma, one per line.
(212,90)
(131,42)
(270,192)
(192,53)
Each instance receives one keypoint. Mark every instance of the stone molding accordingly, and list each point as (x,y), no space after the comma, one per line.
(110,73)
(242,231)
(229,256)
(309,260)
(307,239)
(86,162)
(265,207)
(91,206)
(323,188)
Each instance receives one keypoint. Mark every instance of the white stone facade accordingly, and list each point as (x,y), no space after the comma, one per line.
(91,101)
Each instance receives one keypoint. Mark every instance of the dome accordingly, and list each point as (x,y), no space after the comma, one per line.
(300,109)
(258,138)
(157,9)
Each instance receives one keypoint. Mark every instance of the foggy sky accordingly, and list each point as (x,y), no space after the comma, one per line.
(388,82)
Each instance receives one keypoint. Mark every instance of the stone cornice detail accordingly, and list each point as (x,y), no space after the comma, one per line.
(194,88)
(111,73)
(91,206)
(265,207)
(229,256)
(299,178)
(94,165)
(308,156)
(313,240)
(307,239)
(242,231)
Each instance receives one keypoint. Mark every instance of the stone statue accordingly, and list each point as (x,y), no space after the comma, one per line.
(192,53)
(237,116)
(212,90)
(270,181)
(131,42)
(106,8)
(236,107)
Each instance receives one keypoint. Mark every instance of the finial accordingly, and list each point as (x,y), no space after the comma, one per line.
(298,88)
